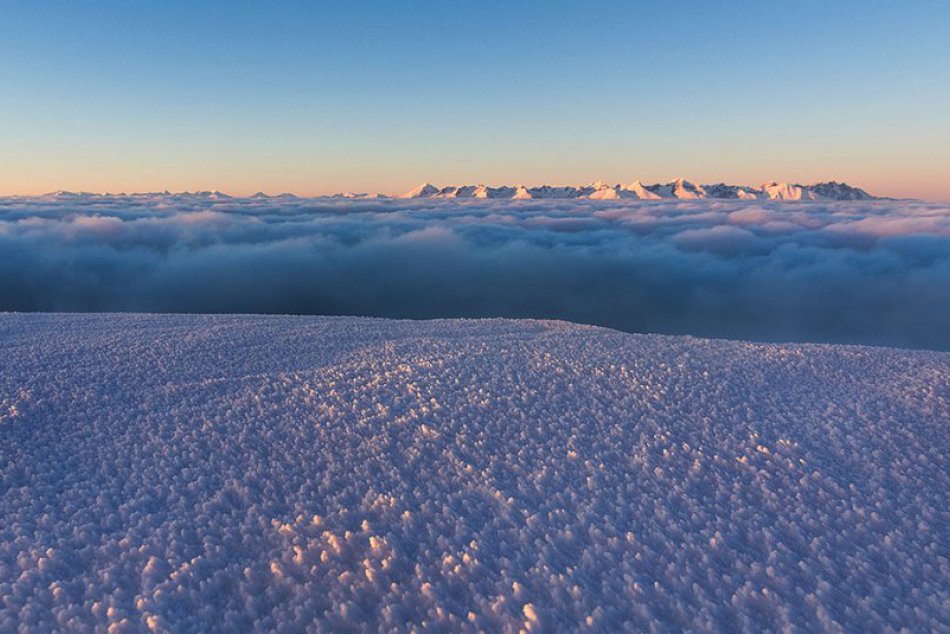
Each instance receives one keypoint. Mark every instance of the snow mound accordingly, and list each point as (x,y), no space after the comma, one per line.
(208,473)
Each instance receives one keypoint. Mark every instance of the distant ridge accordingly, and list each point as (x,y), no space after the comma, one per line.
(679,188)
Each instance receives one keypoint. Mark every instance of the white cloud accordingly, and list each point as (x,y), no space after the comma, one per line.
(873,272)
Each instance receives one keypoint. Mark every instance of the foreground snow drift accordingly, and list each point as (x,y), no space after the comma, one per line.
(195,473)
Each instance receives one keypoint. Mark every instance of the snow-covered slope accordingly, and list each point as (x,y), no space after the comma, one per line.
(784,191)
(636,189)
(425,190)
(679,188)
(604,191)
(218,473)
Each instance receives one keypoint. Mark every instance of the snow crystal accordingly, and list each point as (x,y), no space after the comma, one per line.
(220,473)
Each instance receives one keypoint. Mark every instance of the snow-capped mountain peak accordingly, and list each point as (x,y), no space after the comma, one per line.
(522,193)
(603,191)
(682,188)
(679,188)
(425,190)
(636,189)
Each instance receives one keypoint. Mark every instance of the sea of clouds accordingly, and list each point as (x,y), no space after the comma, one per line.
(859,272)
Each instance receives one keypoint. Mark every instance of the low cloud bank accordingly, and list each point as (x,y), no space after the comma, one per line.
(849,272)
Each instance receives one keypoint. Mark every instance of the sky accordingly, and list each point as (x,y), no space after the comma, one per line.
(322,97)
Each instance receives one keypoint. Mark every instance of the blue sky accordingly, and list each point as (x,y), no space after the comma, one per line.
(317,97)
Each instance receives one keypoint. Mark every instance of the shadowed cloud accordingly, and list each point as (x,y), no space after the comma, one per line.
(861,272)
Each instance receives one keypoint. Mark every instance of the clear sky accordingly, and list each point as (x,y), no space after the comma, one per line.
(318,97)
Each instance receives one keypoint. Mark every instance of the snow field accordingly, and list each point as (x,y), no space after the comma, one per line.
(220,473)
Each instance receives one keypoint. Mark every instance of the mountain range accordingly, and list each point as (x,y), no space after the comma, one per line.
(676,189)
(679,188)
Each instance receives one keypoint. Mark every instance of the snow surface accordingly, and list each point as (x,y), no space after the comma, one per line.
(208,473)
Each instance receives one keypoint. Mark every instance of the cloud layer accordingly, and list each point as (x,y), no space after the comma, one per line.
(855,272)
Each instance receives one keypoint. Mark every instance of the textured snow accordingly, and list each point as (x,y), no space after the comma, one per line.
(207,473)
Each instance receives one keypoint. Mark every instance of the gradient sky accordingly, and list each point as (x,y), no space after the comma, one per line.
(319,97)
